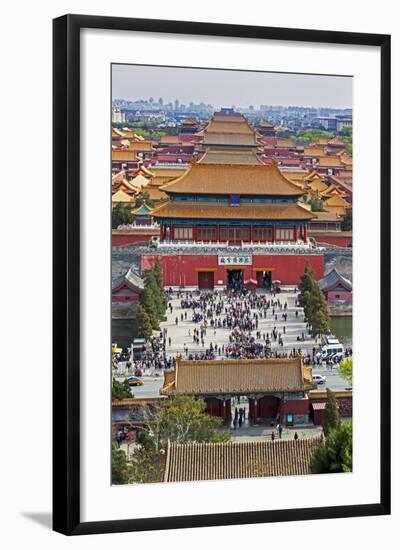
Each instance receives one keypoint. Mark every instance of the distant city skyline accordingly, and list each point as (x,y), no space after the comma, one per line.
(227,88)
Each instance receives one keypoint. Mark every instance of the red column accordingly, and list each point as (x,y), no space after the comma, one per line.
(255,410)
(305,233)
(273,233)
(217,233)
(195,232)
(295,233)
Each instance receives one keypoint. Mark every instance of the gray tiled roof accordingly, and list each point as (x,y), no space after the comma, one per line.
(332,278)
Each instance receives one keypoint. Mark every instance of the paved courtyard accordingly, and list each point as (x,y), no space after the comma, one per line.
(182,333)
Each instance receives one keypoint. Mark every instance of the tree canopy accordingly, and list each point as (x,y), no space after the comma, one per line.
(313,301)
(316,205)
(120,390)
(347,223)
(144,198)
(119,466)
(335,455)
(121,215)
(346,369)
(153,299)
(143,324)
(183,420)
(331,415)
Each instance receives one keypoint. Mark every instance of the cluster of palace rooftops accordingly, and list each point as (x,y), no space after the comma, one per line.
(227,192)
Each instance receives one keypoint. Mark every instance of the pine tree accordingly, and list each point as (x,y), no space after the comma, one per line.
(319,315)
(331,415)
(347,223)
(336,454)
(151,283)
(313,301)
(121,214)
(306,283)
(154,280)
(149,305)
(119,466)
(160,282)
(144,327)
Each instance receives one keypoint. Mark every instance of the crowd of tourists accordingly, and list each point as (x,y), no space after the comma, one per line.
(238,312)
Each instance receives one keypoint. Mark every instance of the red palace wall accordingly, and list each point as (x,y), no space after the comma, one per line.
(345,242)
(183,270)
(123,237)
(295,406)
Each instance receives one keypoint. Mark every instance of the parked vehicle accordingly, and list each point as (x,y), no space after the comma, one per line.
(319,379)
(135,381)
(332,349)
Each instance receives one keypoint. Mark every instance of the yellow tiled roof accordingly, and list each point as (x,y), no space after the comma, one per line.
(318,185)
(121,196)
(229,129)
(123,155)
(237,376)
(336,141)
(139,181)
(314,151)
(141,146)
(241,179)
(229,157)
(336,200)
(330,161)
(238,460)
(175,209)
(333,189)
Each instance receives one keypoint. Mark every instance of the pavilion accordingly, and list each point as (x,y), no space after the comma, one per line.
(274,388)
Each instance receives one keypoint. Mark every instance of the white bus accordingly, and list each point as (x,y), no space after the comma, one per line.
(332,349)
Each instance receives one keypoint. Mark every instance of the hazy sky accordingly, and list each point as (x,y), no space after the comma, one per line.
(224,88)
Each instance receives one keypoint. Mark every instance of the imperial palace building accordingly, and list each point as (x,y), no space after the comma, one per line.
(230,219)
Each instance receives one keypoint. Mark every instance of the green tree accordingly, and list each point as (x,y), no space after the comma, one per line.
(146,466)
(119,466)
(121,214)
(346,369)
(148,302)
(316,205)
(305,137)
(313,301)
(156,291)
(120,390)
(335,455)
(158,273)
(144,198)
(143,324)
(346,134)
(183,420)
(318,315)
(331,415)
(306,282)
(347,223)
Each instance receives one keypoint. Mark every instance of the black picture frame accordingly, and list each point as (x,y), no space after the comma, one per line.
(66,273)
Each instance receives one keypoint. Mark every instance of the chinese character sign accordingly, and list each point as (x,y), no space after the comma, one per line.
(234,260)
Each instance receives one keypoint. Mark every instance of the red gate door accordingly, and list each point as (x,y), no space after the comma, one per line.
(206,279)
(260,279)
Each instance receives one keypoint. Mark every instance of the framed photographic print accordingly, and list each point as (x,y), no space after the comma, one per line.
(221,249)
